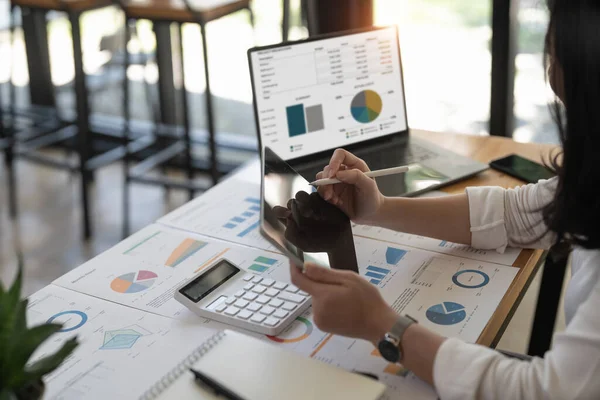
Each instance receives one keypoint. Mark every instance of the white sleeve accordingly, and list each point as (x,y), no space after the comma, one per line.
(510,217)
(570,370)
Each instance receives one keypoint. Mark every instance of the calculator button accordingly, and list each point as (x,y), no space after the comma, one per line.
(239,293)
(262,299)
(302,293)
(271,321)
(230,301)
(241,303)
(291,289)
(221,307)
(258,318)
(259,289)
(294,298)
(288,306)
(248,286)
(248,277)
(280,314)
(256,279)
(253,307)
(267,310)
(276,303)
(250,296)
(272,292)
(280,285)
(267,282)
(244,314)
(232,310)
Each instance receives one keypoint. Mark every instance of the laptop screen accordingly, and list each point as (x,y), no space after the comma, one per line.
(321,94)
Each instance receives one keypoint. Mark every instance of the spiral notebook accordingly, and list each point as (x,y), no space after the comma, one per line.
(256,370)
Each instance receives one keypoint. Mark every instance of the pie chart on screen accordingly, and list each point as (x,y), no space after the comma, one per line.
(133,282)
(366,106)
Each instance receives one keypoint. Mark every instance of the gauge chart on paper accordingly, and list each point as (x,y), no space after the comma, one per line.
(133,282)
(366,106)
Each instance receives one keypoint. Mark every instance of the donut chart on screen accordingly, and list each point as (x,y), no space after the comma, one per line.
(133,282)
(366,106)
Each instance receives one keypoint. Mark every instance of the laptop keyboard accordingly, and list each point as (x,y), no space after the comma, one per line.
(386,158)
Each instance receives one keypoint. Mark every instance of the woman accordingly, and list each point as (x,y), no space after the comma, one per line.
(563,210)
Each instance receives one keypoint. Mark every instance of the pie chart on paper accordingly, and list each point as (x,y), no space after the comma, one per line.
(366,106)
(133,282)
(446,313)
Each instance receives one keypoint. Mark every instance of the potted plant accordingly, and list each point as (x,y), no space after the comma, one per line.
(18,379)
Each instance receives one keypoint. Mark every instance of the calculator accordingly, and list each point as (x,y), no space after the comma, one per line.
(225,293)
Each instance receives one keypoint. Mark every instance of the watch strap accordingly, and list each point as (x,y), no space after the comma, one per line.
(402,323)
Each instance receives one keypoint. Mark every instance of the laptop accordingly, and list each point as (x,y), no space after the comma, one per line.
(346,90)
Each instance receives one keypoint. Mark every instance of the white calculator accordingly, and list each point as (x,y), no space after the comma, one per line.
(227,294)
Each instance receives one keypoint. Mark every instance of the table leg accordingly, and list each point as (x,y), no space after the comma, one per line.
(285,22)
(83,134)
(164,61)
(126,117)
(186,116)
(209,112)
(38,57)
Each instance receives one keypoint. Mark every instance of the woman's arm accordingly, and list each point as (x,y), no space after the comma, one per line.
(346,304)
(484,217)
(444,218)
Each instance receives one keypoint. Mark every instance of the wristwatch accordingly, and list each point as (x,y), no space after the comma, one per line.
(389,346)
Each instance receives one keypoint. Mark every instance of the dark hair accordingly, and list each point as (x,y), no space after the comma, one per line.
(573,44)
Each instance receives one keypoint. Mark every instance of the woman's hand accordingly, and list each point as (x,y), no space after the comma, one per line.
(358,196)
(344,303)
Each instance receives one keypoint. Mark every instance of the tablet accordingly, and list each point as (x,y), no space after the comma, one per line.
(296,219)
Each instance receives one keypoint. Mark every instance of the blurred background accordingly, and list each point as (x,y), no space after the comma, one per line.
(55,164)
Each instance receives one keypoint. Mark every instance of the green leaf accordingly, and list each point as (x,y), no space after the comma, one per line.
(6,394)
(24,344)
(14,293)
(47,364)
(13,325)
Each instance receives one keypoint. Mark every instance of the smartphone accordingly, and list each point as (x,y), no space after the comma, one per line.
(522,168)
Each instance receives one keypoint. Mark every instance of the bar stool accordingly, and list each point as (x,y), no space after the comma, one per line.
(26,145)
(180,12)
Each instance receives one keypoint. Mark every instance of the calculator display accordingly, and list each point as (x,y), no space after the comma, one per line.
(206,283)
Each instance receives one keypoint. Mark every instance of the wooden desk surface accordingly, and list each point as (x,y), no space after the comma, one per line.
(486,149)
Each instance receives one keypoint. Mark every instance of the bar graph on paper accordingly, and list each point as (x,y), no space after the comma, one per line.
(246,221)
(382,263)
(230,213)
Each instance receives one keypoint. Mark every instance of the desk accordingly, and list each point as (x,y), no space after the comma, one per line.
(486,149)
(107,287)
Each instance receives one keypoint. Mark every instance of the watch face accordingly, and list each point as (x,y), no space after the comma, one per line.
(389,351)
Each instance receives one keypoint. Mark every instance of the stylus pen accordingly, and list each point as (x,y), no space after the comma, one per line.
(370,174)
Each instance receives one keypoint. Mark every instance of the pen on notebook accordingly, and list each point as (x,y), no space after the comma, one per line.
(370,174)
(216,387)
